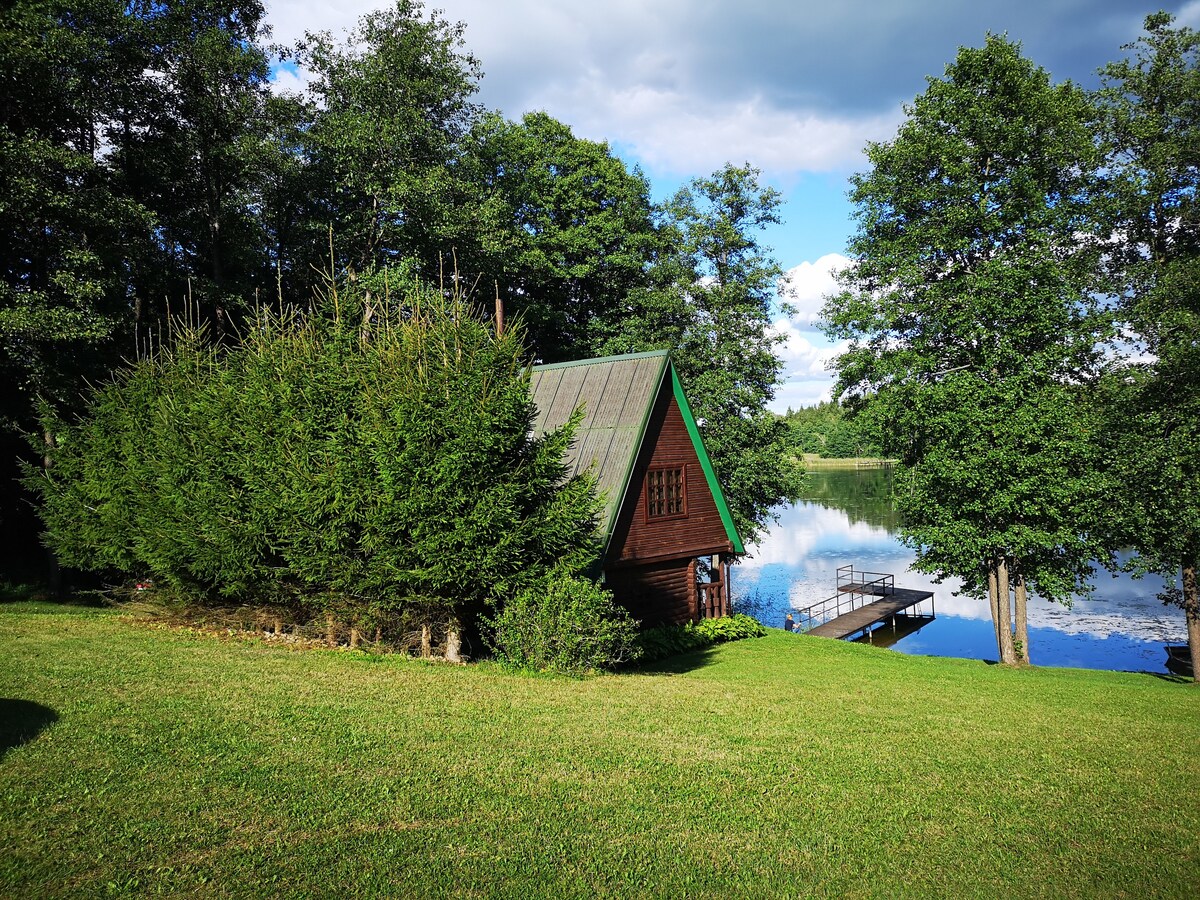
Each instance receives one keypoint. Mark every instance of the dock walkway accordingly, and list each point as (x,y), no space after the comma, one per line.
(862,602)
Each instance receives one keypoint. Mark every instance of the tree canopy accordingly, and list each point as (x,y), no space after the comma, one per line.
(1149,114)
(972,323)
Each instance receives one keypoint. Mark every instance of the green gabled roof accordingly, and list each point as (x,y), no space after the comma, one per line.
(617,394)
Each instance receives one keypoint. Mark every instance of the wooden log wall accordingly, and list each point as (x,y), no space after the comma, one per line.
(699,533)
(661,593)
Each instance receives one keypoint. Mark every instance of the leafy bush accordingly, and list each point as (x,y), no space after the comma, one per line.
(565,624)
(672,640)
(730,628)
(362,459)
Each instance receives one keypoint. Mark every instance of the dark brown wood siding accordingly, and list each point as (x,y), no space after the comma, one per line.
(658,593)
(637,539)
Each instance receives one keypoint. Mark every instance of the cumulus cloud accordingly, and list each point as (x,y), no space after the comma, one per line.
(807,377)
(806,286)
(669,131)
(791,88)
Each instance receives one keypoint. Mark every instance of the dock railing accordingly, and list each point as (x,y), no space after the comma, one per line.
(855,588)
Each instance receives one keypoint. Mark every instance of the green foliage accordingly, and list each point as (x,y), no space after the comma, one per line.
(563,623)
(730,628)
(211,191)
(389,107)
(370,458)
(672,640)
(828,431)
(970,312)
(66,233)
(561,228)
(1150,124)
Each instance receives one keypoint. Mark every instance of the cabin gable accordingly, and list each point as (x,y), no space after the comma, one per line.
(663,508)
(653,525)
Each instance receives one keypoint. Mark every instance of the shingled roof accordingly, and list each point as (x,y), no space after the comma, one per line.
(617,394)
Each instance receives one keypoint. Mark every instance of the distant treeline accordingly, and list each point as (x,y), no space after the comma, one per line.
(826,430)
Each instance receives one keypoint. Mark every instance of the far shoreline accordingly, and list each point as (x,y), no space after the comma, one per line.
(813,461)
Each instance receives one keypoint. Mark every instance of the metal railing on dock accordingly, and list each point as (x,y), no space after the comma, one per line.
(855,588)
(864,600)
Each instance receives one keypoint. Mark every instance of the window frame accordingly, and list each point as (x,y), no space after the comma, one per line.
(668,473)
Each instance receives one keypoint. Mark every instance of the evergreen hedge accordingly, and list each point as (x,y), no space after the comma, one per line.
(363,458)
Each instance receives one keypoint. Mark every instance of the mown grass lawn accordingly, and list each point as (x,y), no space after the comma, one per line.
(175,763)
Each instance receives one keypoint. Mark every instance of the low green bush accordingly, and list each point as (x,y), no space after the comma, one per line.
(671,640)
(564,623)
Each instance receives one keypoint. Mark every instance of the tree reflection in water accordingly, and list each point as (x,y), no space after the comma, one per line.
(847,517)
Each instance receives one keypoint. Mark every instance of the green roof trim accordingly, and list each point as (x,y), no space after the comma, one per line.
(706,464)
(619,396)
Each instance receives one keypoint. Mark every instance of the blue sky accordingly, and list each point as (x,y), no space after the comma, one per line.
(679,87)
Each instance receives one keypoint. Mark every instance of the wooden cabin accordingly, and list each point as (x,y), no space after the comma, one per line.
(668,533)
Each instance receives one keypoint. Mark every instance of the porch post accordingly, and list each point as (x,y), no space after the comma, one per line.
(726,596)
(694,605)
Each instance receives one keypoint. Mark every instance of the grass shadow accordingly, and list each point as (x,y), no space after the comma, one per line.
(1170,676)
(676,665)
(21,721)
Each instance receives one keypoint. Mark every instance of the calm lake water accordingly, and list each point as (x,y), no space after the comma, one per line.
(847,518)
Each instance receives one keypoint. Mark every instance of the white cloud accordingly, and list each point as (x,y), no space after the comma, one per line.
(807,379)
(689,86)
(672,131)
(290,80)
(1189,15)
(807,285)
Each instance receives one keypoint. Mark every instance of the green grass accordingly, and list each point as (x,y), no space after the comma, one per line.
(177,763)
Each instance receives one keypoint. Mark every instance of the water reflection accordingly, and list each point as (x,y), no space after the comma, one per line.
(847,517)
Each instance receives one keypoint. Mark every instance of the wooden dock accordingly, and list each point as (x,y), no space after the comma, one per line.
(871,614)
(861,603)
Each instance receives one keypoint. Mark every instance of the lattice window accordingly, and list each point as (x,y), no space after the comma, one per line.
(666,493)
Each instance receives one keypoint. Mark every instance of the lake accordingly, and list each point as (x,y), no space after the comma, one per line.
(847,518)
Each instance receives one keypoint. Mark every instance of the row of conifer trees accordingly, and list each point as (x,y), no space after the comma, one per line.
(369,458)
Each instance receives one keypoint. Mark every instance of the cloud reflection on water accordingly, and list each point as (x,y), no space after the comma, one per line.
(795,565)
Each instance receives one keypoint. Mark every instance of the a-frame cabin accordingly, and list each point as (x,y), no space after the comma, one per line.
(668,534)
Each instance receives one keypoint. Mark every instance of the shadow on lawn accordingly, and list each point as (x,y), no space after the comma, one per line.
(677,665)
(21,721)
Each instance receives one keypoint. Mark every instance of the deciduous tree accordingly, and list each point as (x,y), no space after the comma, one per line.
(392,102)
(559,226)
(1150,117)
(970,315)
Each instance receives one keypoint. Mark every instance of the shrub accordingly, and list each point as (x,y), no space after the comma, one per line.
(672,640)
(361,459)
(564,623)
(730,628)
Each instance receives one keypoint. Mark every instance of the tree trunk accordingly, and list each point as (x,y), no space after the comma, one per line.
(453,643)
(425,642)
(1022,597)
(994,603)
(330,631)
(354,638)
(1004,607)
(1191,609)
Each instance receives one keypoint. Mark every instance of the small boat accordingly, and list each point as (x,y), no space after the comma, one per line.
(1179,659)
